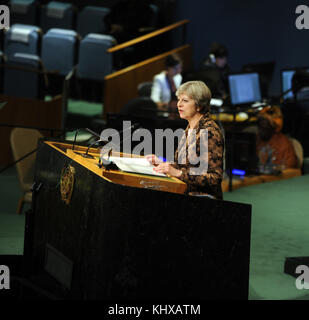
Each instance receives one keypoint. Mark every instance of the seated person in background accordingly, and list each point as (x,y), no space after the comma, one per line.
(216,69)
(166,83)
(274,149)
(202,138)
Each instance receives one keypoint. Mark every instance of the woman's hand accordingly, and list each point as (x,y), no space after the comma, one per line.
(153,159)
(168,169)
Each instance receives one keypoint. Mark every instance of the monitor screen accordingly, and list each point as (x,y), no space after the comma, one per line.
(286,81)
(265,71)
(244,88)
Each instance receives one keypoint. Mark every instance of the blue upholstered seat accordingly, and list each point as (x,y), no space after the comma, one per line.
(22,76)
(94,62)
(23,39)
(57,15)
(59,50)
(91,20)
(23,11)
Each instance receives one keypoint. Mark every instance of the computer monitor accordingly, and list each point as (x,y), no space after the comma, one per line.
(265,71)
(244,88)
(286,81)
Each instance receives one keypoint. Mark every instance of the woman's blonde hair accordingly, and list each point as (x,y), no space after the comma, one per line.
(199,92)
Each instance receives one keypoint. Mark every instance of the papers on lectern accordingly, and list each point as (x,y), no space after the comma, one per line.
(136,165)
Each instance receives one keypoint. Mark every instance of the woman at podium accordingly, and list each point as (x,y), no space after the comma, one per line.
(198,160)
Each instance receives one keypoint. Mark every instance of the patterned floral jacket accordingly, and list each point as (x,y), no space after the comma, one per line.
(200,158)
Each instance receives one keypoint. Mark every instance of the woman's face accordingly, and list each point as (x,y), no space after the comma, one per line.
(186,107)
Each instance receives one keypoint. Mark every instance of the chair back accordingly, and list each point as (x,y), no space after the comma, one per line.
(91,20)
(22,142)
(298,151)
(23,77)
(144,89)
(22,38)
(23,11)
(57,15)
(59,50)
(94,62)
(140,106)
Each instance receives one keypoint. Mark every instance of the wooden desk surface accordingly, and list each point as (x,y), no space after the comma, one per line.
(252,180)
(168,184)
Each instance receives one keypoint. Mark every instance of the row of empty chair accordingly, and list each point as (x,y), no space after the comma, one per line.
(89,19)
(55,14)
(56,52)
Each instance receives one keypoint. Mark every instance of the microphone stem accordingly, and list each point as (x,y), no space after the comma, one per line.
(75,139)
(86,155)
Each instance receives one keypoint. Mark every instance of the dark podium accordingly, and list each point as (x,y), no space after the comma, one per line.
(106,234)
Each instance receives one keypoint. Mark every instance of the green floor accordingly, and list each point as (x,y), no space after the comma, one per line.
(82,107)
(280,221)
(87,109)
(279,229)
(11,224)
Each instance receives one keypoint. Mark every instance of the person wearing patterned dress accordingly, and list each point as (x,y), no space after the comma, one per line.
(198,159)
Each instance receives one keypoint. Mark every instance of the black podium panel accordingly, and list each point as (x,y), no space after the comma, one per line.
(118,242)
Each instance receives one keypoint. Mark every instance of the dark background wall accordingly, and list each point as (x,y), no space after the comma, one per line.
(253,31)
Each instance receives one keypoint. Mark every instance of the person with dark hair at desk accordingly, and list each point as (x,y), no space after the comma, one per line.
(216,69)
(274,149)
(166,83)
(300,85)
(198,160)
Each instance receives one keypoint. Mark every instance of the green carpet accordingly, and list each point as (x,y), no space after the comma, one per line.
(82,135)
(11,224)
(89,109)
(278,230)
(82,107)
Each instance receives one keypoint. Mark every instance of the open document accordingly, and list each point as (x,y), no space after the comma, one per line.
(136,165)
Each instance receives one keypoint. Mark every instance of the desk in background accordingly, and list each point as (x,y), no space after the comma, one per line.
(253,180)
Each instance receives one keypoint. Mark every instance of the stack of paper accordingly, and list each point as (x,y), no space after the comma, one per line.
(136,165)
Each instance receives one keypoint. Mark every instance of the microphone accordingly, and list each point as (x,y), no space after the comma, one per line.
(75,139)
(133,126)
(107,165)
(101,142)
(86,129)
(93,133)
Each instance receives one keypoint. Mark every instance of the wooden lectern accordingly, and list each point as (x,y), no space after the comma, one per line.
(105,234)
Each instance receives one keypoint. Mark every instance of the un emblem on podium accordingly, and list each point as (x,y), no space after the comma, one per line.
(67,183)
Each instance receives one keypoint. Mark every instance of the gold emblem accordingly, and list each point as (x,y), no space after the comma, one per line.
(67,183)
